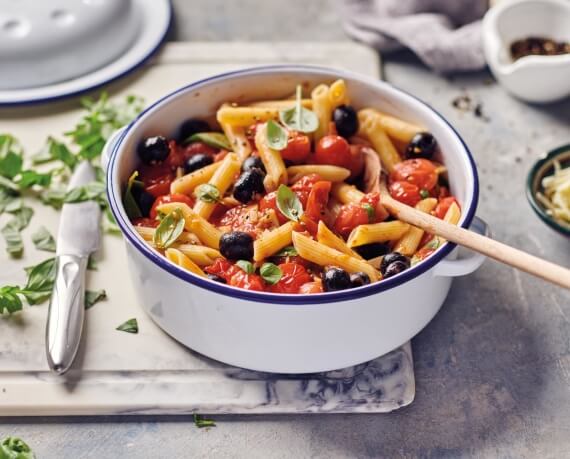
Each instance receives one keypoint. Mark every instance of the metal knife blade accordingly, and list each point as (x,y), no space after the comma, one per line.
(79,230)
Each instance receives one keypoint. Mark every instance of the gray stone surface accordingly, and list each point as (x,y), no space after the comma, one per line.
(493,368)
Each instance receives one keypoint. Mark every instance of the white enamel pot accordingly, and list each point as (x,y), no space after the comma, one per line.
(289,333)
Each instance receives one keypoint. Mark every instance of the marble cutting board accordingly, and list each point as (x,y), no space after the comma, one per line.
(121,373)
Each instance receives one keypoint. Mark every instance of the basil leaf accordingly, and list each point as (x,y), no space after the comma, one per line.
(11,164)
(276,135)
(43,240)
(109,224)
(11,231)
(271,273)
(14,448)
(8,184)
(369,210)
(289,251)
(200,421)
(208,193)
(9,300)
(169,229)
(130,326)
(246,266)
(9,143)
(213,139)
(54,150)
(93,297)
(30,178)
(288,203)
(7,199)
(92,263)
(433,243)
(424,194)
(41,277)
(299,118)
(131,207)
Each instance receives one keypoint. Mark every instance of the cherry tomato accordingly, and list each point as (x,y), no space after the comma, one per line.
(419,172)
(311,287)
(371,198)
(156,178)
(423,253)
(222,268)
(247,281)
(443,206)
(294,275)
(239,219)
(169,198)
(298,147)
(269,201)
(425,239)
(349,217)
(443,192)
(291,259)
(303,187)
(179,154)
(356,161)
(145,222)
(317,201)
(405,192)
(333,149)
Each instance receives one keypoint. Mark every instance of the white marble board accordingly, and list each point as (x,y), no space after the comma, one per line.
(122,373)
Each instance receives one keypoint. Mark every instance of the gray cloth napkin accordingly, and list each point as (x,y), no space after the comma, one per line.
(444,34)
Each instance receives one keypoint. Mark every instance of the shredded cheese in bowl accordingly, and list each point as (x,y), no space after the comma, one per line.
(556,195)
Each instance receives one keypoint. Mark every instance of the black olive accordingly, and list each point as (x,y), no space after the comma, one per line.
(191,127)
(345,121)
(144,200)
(335,279)
(391,258)
(249,183)
(251,162)
(236,245)
(394,268)
(373,250)
(153,149)
(422,145)
(359,279)
(196,162)
(215,278)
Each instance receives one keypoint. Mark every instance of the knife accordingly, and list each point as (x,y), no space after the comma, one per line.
(78,236)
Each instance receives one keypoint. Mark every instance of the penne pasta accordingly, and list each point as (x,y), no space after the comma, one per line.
(322,108)
(147,234)
(271,242)
(222,179)
(396,128)
(453,214)
(338,94)
(325,256)
(327,237)
(281,104)
(238,141)
(371,129)
(346,193)
(410,241)
(325,172)
(272,160)
(177,257)
(199,254)
(188,183)
(245,116)
(377,232)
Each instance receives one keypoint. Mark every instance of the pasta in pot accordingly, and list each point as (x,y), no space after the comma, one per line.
(283,196)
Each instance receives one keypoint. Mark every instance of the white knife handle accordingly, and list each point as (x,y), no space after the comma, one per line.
(66,312)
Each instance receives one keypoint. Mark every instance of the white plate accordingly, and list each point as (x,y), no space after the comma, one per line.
(156,16)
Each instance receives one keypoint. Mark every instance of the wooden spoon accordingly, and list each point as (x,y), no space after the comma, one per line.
(501,252)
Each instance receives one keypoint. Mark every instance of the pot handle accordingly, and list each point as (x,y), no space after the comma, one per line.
(468,264)
(109,146)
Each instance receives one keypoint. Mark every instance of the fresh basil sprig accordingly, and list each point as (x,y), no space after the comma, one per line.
(276,135)
(246,266)
(15,448)
(130,326)
(213,139)
(53,151)
(270,273)
(289,251)
(299,118)
(169,229)
(288,203)
(208,193)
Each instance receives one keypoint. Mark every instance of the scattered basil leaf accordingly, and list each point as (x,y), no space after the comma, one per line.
(11,164)
(15,448)
(92,263)
(28,179)
(299,118)
(131,207)
(7,198)
(93,297)
(9,300)
(208,193)
(11,231)
(43,240)
(9,143)
(169,229)
(288,203)
(41,278)
(424,193)
(270,273)
(8,184)
(130,326)
(246,266)
(213,139)
(54,150)
(276,135)
(289,251)
(200,421)
(369,211)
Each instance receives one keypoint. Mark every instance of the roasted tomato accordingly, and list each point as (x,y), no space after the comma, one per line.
(425,239)
(405,192)
(311,287)
(443,206)
(318,199)
(247,219)
(157,178)
(419,172)
(269,201)
(222,268)
(349,217)
(179,154)
(169,198)
(247,281)
(294,275)
(303,187)
(356,161)
(333,149)
(424,252)
(150,222)
(298,147)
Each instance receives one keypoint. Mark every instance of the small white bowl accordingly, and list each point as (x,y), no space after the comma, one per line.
(531,78)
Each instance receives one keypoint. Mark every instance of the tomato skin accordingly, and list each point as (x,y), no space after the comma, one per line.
(156,178)
(311,287)
(294,275)
(291,259)
(179,154)
(148,222)
(269,201)
(425,239)
(356,161)
(423,253)
(405,192)
(443,206)
(298,147)
(418,171)
(317,200)
(247,281)
(349,217)
(169,198)
(222,268)
(333,149)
